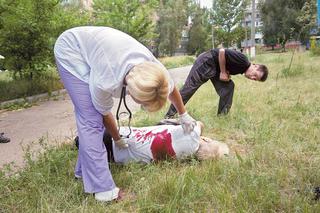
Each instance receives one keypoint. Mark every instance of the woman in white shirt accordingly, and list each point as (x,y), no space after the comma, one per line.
(95,65)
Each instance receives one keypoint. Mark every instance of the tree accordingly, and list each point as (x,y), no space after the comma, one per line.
(279,19)
(307,18)
(134,17)
(227,16)
(25,36)
(170,24)
(67,16)
(199,41)
(28,31)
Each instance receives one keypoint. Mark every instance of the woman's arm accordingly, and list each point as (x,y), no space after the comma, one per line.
(186,120)
(176,100)
(111,126)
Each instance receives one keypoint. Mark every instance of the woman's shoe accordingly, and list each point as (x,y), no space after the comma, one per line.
(108,195)
(4,139)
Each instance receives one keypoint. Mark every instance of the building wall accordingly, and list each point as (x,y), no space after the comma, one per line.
(258,24)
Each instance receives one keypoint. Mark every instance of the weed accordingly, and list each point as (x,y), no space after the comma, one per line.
(177,61)
(292,72)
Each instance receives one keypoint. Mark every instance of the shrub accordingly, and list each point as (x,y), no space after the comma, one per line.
(293,71)
(12,89)
(315,51)
(177,61)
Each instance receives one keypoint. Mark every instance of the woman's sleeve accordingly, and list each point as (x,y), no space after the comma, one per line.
(102,100)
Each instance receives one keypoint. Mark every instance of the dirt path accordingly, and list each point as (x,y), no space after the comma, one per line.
(51,120)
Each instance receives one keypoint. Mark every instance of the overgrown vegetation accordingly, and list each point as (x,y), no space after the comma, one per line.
(28,31)
(227,20)
(131,17)
(11,89)
(287,19)
(272,130)
(177,61)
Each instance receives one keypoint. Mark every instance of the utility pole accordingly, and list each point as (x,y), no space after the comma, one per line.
(318,13)
(212,36)
(253,30)
(213,5)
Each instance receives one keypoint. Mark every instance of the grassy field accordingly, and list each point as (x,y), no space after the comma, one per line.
(177,61)
(273,131)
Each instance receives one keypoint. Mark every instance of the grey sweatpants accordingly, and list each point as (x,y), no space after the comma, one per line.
(204,69)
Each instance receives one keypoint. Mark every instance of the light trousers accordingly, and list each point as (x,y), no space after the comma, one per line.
(92,164)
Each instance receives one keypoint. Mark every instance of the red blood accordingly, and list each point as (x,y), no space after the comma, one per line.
(161,146)
(142,136)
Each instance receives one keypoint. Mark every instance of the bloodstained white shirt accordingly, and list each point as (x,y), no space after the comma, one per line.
(147,144)
(101,57)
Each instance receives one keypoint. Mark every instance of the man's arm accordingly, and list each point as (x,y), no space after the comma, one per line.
(224,74)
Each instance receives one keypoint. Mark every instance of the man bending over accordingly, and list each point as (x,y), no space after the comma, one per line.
(217,65)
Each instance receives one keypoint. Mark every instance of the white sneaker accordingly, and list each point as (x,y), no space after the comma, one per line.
(108,195)
(77,177)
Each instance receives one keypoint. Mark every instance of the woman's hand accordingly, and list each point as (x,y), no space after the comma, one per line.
(111,126)
(121,143)
(187,122)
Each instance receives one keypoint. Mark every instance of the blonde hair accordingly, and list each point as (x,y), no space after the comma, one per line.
(148,83)
(211,149)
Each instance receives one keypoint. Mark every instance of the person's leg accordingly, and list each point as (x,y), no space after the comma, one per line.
(92,162)
(186,93)
(200,73)
(107,140)
(225,91)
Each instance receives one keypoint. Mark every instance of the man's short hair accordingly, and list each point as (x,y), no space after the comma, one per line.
(262,68)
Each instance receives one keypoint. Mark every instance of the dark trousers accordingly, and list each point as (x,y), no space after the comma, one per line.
(204,69)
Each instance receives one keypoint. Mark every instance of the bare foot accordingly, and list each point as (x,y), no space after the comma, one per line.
(123,195)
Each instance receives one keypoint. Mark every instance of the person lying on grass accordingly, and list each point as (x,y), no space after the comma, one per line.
(156,143)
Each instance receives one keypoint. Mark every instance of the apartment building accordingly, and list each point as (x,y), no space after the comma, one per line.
(247,23)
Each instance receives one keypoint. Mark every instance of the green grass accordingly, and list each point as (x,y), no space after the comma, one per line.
(273,130)
(11,89)
(4,76)
(177,61)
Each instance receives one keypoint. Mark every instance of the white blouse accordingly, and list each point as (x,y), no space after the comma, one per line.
(101,57)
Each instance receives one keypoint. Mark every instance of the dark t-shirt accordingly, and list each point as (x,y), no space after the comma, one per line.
(236,62)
